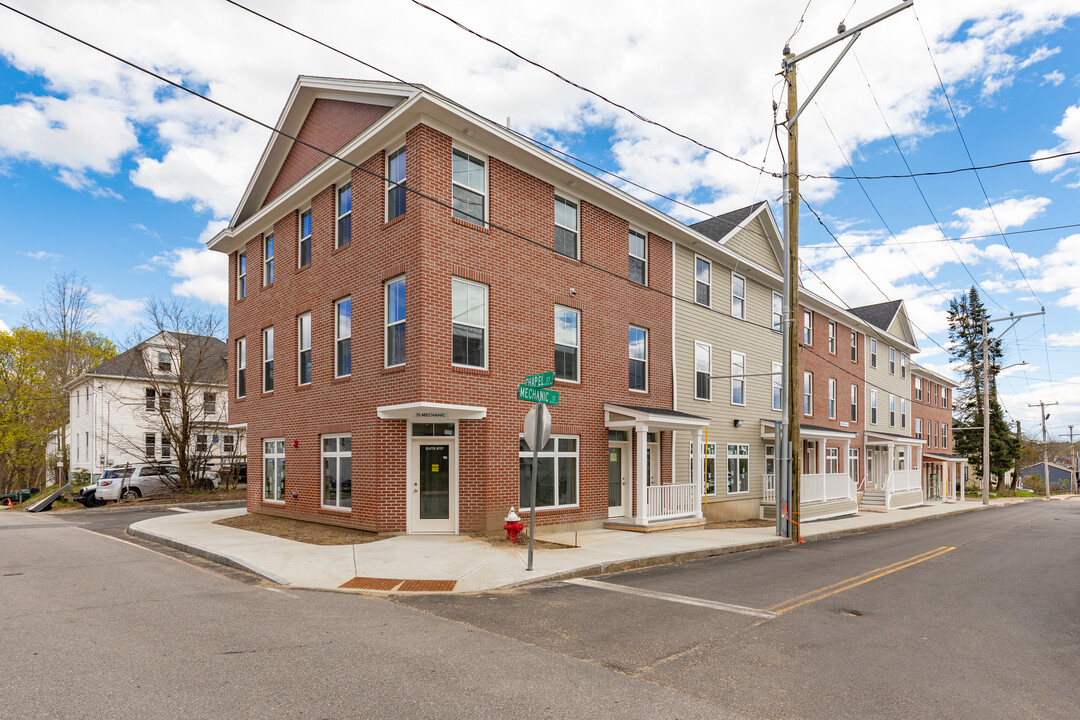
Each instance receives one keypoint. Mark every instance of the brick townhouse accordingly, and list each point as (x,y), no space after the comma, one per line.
(378,336)
(931,407)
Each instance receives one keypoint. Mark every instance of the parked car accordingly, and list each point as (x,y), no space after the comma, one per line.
(143,480)
(87,497)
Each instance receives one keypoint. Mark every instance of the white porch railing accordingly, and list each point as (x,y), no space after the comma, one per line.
(769,493)
(903,480)
(670,501)
(827,486)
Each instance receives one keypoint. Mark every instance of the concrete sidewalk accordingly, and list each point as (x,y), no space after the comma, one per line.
(459,563)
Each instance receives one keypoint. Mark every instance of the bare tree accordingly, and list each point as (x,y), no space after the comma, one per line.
(182,367)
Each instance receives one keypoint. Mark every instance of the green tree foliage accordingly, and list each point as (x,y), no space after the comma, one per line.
(32,404)
(966,314)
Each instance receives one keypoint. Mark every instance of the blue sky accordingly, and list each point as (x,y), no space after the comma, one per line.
(104,172)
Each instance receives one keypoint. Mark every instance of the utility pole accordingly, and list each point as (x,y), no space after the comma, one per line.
(793,444)
(986,392)
(1016,462)
(1046,463)
(1072,485)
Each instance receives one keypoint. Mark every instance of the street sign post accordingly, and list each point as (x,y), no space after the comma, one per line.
(537,431)
(538,395)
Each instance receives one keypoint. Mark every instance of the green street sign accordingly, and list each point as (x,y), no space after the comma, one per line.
(542,380)
(532,394)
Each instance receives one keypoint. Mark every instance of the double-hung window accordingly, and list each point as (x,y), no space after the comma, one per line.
(241,367)
(241,276)
(639,259)
(807,328)
(832,460)
(832,337)
(639,354)
(395,193)
(777,312)
(892,361)
(268,359)
(944,435)
(702,281)
(201,444)
(274,469)
(832,398)
(808,393)
(702,371)
(337,471)
(777,385)
(566,227)
(903,412)
(738,469)
(873,407)
(854,347)
(738,296)
(918,388)
(944,397)
(853,464)
(556,472)
(304,251)
(470,320)
(470,187)
(166,447)
(738,378)
(854,402)
(344,215)
(934,437)
(303,348)
(395,322)
(164,362)
(873,353)
(892,410)
(918,428)
(149,445)
(567,343)
(903,364)
(268,259)
(166,399)
(343,337)
(209,403)
(151,399)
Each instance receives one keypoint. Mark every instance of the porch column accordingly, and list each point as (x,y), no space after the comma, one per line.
(845,462)
(642,473)
(918,454)
(889,466)
(699,472)
(820,447)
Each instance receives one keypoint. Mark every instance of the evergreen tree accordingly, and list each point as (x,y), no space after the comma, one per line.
(966,314)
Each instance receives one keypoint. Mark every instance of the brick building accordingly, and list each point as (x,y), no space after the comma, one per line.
(931,407)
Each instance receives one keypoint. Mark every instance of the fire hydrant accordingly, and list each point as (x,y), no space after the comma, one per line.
(513,526)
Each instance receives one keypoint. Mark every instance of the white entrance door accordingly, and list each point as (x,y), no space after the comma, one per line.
(618,479)
(433,492)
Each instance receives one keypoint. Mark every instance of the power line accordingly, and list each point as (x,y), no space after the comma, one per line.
(961,237)
(595,94)
(971,160)
(952,171)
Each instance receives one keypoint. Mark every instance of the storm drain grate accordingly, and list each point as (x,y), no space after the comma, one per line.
(367,583)
(428,586)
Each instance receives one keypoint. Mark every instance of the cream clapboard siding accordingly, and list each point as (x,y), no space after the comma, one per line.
(752,243)
(753,337)
(879,378)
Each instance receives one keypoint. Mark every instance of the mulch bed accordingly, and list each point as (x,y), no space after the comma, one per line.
(299,530)
(739,524)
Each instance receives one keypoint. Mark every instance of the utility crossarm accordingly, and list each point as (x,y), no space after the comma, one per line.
(848,32)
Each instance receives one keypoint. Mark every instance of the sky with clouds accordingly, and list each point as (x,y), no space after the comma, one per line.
(105,171)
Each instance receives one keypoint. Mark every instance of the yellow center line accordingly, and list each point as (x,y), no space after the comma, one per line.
(866,580)
(852,579)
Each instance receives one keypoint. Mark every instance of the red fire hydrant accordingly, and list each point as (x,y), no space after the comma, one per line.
(513,526)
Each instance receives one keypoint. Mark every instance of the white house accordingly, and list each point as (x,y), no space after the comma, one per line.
(120,410)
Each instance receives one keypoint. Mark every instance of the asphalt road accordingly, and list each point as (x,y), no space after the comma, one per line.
(964,617)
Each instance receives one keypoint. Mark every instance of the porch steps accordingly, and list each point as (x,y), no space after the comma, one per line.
(873,500)
(816,510)
(628,524)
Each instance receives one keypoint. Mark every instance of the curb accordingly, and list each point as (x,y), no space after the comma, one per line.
(144,508)
(219,558)
(833,534)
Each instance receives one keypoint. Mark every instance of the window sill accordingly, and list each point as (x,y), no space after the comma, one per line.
(394,369)
(333,509)
(471,225)
(341,248)
(302,268)
(342,379)
(640,392)
(550,509)
(470,370)
(280,503)
(267,392)
(564,381)
(394,221)
(305,386)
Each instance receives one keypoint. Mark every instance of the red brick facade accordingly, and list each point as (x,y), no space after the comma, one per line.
(931,402)
(429,248)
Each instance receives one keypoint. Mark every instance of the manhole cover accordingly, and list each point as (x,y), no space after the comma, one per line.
(849,612)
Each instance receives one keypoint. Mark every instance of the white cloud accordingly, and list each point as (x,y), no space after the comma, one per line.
(1065,339)
(40,255)
(1040,54)
(1009,213)
(1059,270)
(8,298)
(1054,78)
(203,273)
(1069,133)
(112,310)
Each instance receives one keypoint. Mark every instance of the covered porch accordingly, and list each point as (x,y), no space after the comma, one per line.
(893,471)
(638,496)
(827,488)
(940,475)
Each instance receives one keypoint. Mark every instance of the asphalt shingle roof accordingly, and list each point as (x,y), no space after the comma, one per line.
(129,364)
(879,315)
(719,227)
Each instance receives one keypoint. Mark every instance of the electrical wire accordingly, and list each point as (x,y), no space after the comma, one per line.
(962,237)
(933,173)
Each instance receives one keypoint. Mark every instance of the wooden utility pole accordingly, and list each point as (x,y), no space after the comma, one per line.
(1046,462)
(1016,462)
(794,406)
(1072,485)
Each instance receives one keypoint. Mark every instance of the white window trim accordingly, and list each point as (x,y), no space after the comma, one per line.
(735,297)
(570,200)
(835,453)
(892,360)
(323,454)
(854,402)
(777,318)
(266,332)
(777,384)
(577,348)
(903,364)
(301,237)
(241,365)
(742,357)
(386,319)
(903,412)
(708,348)
(646,360)
(338,187)
(241,275)
(337,338)
(855,346)
(555,454)
(644,259)
(808,392)
(892,410)
(873,353)
(401,145)
(738,454)
(487,180)
(832,398)
(486,326)
(873,407)
(300,348)
(808,328)
(275,455)
(709,264)
(832,337)
(268,260)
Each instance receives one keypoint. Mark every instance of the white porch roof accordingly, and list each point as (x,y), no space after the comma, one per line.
(431,412)
(629,416)
(812,432)
(880,438)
